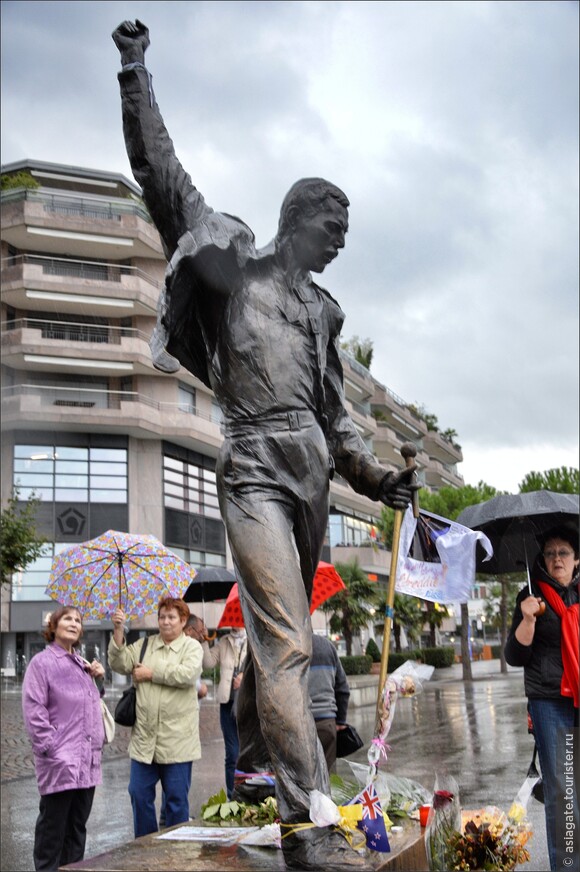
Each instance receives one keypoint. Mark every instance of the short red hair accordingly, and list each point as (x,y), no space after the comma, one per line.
(168,602)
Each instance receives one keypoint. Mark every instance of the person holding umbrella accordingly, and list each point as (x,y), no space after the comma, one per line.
(165,736)
(62,715)
(545,642)
(229,654)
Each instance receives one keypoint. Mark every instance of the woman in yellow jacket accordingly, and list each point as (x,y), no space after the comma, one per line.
(165,737)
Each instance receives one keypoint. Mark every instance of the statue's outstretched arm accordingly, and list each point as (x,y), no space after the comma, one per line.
(173,202)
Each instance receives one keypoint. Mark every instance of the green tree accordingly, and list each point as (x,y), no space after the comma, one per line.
(360,349)
(407,614)
(492,607)
(20,544)
(436,614)
(565,480)
(351,609)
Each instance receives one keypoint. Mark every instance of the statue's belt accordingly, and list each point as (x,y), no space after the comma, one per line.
(296,419)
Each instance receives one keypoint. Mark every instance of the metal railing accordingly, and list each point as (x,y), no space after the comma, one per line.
(79,205)
(78,269)
(73,331)
(60,395)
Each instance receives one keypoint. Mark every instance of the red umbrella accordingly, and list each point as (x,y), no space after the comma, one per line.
(327,582)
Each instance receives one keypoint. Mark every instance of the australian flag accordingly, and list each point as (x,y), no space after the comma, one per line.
(373,822)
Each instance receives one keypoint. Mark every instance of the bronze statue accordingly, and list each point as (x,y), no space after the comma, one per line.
(254,327)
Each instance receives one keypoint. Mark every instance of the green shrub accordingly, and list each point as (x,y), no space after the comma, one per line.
(211,674)
(438,657)
(357,665)
(397,658)
(496,652)
(22,179)
(372,650)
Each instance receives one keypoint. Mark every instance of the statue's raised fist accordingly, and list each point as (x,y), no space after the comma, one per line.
(132,39)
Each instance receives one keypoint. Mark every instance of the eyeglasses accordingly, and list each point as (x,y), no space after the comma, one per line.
(562,553)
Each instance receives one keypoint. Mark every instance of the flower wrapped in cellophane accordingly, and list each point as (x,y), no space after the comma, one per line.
(405,681)
(490,840)
(443,824)
(485,839)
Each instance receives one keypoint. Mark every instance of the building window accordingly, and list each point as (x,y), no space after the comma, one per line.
(199,558)
(57,473)
(29,585)
(217,415)
(186,398)
(348,531)
(189,487)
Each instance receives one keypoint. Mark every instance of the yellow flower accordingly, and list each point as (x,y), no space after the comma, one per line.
(516,812)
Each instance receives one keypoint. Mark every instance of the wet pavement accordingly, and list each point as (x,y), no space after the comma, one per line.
(475,732)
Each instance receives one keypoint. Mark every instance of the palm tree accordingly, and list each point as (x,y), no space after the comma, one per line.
(436,613)
(351,609)
(408,615)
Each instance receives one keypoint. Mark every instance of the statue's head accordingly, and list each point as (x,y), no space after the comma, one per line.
(313,223)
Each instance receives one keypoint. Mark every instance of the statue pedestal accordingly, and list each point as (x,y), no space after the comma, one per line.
(151,854)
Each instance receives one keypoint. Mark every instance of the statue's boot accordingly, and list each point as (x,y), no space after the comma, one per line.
(322,848)
(253,793)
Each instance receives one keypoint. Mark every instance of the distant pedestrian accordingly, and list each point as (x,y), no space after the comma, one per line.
(229,654)
(165,737)
(546,645)
(62,715)
(329,695)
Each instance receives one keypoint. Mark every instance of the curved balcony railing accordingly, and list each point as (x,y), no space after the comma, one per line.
(78,205)
(72,331)
(87,398)
(79,269)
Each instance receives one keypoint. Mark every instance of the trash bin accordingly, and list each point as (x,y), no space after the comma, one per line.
(487,654)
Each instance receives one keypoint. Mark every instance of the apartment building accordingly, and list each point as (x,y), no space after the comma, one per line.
(104,439)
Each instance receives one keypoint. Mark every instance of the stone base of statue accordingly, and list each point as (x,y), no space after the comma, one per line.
(152,854)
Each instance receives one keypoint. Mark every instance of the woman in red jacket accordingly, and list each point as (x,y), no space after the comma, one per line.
(546,645)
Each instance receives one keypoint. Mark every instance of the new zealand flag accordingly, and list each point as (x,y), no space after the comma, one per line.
(373,822)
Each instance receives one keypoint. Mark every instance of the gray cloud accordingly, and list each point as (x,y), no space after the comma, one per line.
(452,127)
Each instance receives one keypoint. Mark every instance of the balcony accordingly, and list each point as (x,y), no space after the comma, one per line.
(442,449)
(41,407)
(395,411)
(33,281)
(57,346)
(75,224)
(363,421)
(439,475)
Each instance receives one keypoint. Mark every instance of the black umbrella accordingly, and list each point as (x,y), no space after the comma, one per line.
(211,583)
(514,524)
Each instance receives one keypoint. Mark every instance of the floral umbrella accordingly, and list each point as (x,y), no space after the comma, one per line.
(117,570)
(327,582)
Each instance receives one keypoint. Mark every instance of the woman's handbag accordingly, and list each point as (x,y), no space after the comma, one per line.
(108,723)
(538,788)
(126,708)
(347,741)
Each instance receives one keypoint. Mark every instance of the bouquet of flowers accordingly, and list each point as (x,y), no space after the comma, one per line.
(486,839)
(489,840)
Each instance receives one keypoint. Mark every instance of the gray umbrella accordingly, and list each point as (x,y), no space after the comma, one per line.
(514,524)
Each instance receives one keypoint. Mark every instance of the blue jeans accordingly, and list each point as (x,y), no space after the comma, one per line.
(555,723)
(229,727)
(175,780)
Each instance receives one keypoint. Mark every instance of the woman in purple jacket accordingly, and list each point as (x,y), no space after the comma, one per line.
(62,714)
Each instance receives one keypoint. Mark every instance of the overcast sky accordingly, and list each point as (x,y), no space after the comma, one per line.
(451,126)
